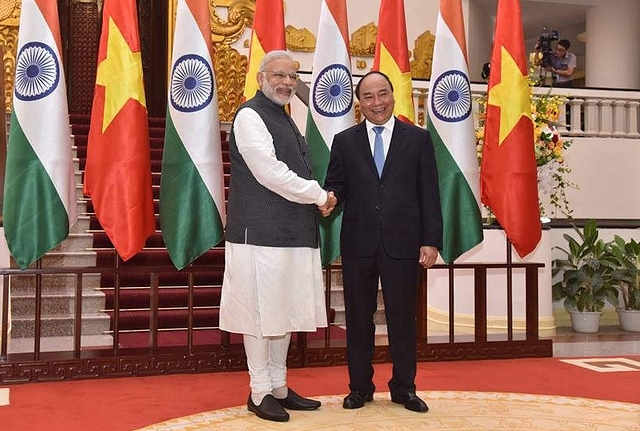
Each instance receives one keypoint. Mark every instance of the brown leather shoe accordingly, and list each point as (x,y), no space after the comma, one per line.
(297,402)
(410,401)
(356,400)
(268,409)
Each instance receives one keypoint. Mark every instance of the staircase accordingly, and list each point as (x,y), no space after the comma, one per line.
(58,293)
(134,297)
(88,245)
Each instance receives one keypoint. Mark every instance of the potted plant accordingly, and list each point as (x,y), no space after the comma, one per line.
(626,277)
(585,278)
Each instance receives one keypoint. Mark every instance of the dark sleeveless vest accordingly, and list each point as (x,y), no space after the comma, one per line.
(255,214)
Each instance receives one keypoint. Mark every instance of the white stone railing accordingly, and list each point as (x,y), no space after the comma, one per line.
(592,112)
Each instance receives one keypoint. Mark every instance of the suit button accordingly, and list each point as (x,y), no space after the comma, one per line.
(378,208)
(380,186)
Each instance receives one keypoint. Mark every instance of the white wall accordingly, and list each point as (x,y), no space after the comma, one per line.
(606,171)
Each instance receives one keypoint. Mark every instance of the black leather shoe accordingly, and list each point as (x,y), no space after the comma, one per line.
(356,400)
(297,402)
(268,409)
(410,401)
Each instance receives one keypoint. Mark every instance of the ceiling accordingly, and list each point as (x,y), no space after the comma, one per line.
(554,14)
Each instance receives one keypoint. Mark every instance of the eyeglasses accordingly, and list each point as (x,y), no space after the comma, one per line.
(280,76)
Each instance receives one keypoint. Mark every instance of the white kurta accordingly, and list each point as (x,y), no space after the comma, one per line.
(269,291)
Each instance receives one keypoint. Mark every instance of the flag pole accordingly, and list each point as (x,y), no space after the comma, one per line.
(509,291)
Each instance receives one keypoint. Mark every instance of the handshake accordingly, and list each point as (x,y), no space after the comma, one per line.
(329,205)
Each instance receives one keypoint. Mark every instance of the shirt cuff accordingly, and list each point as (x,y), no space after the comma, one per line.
(323,198)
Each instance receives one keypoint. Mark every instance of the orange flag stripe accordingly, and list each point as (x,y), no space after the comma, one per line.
(201,13)
(338,9)
(455,21)
(49,11)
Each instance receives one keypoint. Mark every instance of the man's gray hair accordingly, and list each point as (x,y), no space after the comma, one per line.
(273,55)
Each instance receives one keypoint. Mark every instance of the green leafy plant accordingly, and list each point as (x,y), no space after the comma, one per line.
(626,277)
(586,274)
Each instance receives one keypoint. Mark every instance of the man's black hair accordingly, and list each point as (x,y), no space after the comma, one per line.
(565,43)
(373,72)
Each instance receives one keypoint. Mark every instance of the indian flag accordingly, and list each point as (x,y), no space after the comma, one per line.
(40,190)
(451,125)
(192,211)
(330,107)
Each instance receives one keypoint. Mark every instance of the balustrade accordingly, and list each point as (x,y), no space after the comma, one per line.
(82,362)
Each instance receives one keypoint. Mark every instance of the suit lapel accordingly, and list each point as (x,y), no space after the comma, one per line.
(364,147)
(397,141)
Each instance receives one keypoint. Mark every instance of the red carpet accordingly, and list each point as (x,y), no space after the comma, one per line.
(130,403)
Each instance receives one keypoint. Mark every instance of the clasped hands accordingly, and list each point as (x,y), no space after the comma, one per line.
(329,205)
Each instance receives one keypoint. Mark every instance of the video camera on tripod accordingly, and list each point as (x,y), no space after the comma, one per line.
(544,45)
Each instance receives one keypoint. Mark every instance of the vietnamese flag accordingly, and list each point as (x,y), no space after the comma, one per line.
(508,175)
(118,168)
(267,34)
(392,56)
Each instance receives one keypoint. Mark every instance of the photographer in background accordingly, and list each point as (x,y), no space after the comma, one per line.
(563,64)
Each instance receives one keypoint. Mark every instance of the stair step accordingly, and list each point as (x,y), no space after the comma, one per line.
(203,296)
(69,258)
(75,242)
(379,317)
(53,284)
(57,304)
(60,344)
(53,326)
(139,319)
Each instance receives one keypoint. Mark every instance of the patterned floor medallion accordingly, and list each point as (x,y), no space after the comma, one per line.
(605,365)
(459,411)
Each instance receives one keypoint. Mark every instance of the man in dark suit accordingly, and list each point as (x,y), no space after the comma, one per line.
(392,222)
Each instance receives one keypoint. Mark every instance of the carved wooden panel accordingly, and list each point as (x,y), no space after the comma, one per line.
(9,20)
(83,40)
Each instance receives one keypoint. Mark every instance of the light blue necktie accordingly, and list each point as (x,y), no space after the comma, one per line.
(378,149)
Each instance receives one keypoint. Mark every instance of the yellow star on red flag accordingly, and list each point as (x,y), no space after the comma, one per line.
(121,75)
(511,95)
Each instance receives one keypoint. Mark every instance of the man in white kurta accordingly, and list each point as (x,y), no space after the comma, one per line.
(273,281)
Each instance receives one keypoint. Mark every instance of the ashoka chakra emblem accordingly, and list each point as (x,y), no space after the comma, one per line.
(37,71)
(451,98)
(191,83)
(332,94)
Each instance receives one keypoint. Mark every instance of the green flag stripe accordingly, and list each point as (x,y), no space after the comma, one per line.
(459,205)
(318,151)
(329,226)
(32,207)
(189,218)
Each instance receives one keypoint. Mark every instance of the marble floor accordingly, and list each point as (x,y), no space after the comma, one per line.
(608,341)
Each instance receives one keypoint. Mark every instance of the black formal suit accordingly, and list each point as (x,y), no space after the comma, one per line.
(385,222)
